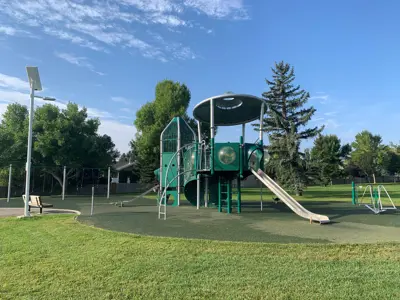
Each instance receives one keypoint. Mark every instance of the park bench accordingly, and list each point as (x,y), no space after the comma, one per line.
(36,202)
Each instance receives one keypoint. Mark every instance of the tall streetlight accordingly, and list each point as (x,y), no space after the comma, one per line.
(35,85)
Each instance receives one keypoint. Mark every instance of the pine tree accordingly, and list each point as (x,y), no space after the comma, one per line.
(285,122)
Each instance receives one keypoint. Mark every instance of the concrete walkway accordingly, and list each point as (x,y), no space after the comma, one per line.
(16,212)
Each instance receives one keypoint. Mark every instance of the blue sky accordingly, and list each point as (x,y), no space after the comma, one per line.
(109,55)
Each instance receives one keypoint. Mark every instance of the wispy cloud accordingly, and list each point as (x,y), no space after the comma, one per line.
(13,83)
(233,9)
(329,123)
(73,38)
(120,100)
(127,110)
(323,99)
(101,25)
(331,113)
(8,30)
(78,61)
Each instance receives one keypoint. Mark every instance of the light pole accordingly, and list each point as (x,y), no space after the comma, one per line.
(35,85)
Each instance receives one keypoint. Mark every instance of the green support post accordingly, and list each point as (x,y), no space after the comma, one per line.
(353,193)
(376,196)
(239,196)
(212,156)
(241,158)
(229,196)
(219,195)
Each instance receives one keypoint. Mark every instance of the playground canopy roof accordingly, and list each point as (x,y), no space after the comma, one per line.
(229,109)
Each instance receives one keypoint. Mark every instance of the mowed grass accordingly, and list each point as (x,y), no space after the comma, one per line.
(56,257)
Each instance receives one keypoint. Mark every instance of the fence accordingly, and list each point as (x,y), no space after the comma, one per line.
(357,180)
(253,182)
(64,181)
(49,181)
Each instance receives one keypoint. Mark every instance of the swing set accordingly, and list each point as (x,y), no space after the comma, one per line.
(374,194)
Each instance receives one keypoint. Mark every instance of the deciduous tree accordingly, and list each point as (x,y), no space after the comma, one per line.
(327,157)
(61,137)
(171,100)
(369,154)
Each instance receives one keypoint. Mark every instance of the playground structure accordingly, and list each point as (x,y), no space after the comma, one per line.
(375,193)
(206,170)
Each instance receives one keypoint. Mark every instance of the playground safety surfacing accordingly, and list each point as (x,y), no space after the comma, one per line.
(274,224)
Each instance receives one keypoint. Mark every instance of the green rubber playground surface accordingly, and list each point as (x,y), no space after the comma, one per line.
(276,223)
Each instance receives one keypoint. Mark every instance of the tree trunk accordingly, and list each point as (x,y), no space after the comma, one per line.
(299,192)
(373,176)
(56,177)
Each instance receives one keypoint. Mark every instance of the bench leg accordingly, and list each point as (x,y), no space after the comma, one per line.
(29,208)
(40,210)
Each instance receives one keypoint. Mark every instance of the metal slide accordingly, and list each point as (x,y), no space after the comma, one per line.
(287,199)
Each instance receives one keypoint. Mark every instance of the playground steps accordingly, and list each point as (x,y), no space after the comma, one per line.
(227,193)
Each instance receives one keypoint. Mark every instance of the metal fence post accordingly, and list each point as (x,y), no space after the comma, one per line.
(9,184)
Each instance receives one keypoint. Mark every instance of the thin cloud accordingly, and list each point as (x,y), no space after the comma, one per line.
(101,25)
(120,100)
(127,110)
(331,113)
(323,99)
(78,61)
(233,9)
(73,38)
(12,31)
(7,30)
(13,83)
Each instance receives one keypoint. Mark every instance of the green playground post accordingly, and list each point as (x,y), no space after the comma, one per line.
(229,196)
(241,158)
(353,193)
(376,197)
(219,195)
(239,196)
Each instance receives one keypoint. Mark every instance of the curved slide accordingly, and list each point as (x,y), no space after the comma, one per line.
(287,199)
(190,191)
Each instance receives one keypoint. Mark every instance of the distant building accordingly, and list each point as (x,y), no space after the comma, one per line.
(125,171)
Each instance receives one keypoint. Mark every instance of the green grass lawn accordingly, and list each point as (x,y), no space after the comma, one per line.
(59,258)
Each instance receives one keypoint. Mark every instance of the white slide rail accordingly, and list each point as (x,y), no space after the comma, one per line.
(295,206)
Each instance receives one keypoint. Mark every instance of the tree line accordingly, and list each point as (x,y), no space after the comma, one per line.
(68,137)
(61,137)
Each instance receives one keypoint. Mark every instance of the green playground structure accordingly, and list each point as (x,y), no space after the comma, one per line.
(210,173)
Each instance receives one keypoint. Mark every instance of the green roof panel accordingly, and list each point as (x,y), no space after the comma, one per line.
(229,109)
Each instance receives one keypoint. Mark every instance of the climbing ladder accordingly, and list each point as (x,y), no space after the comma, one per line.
(224,195)
(162,206)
